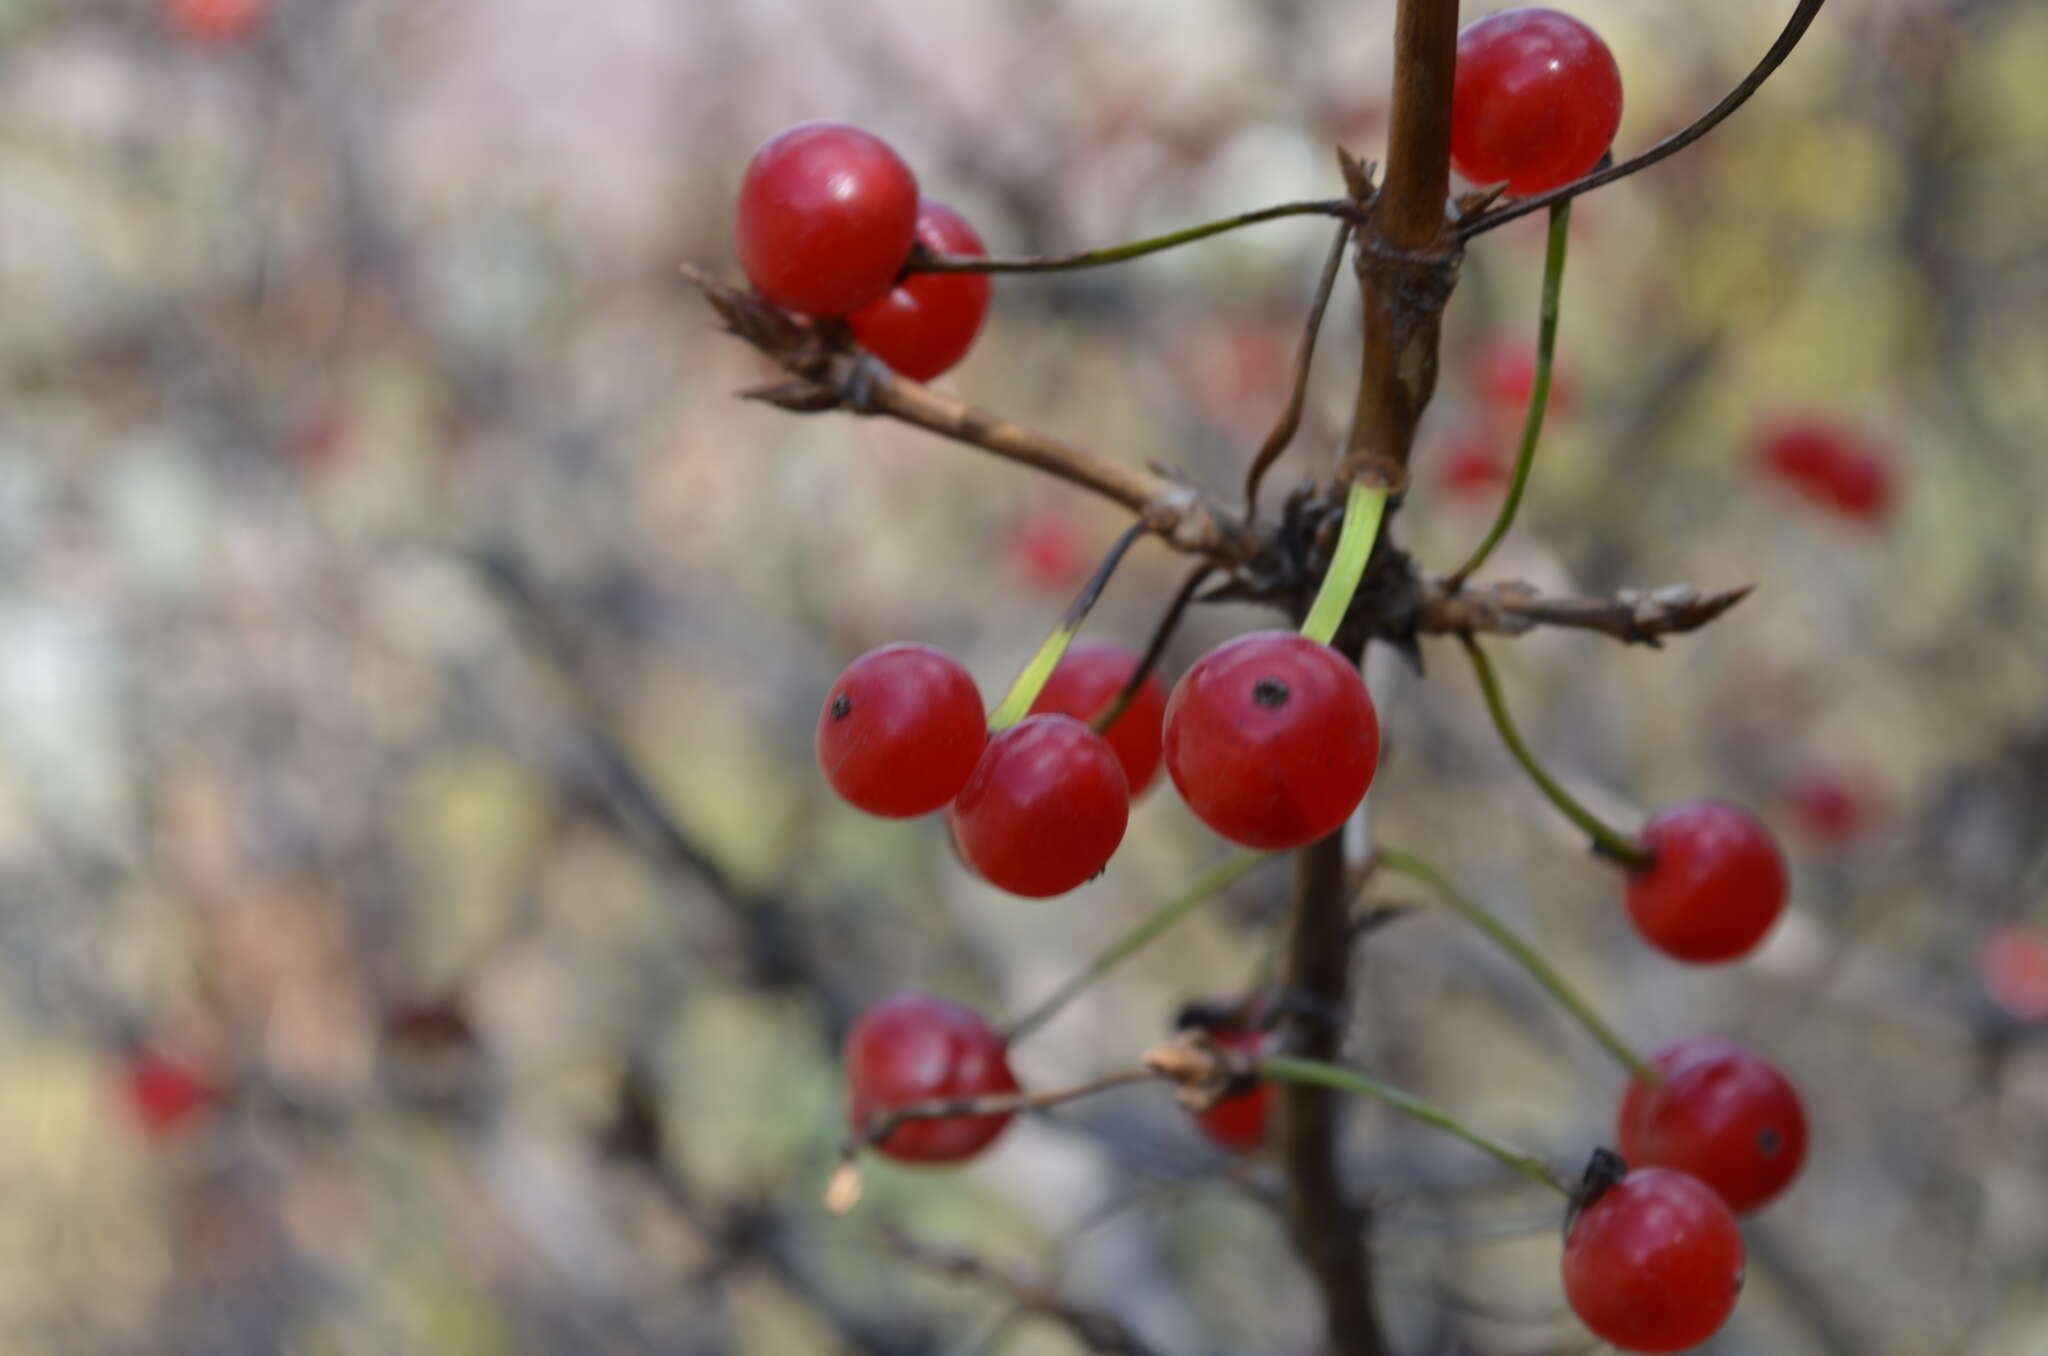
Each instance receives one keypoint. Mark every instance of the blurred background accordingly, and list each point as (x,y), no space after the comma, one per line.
(422,926)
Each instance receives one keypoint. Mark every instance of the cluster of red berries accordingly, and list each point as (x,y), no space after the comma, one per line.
(828,216)
(1271,739)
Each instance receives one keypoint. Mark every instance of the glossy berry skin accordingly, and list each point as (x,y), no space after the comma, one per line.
(1045,808)
(1090,675)
(1720,1113)
(1238,1122)
(1271,739)
(1714,885)
(928,321)
(1655,1263)
(1832,466)
(1535,102)
(216,21)
(901,731)
(915,1048)
(164,1093)
(825,219)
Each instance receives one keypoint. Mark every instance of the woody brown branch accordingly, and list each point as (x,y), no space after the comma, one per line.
(1633,616)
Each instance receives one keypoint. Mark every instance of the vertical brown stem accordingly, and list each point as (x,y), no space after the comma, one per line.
(1407,258)
(1407,265)
(1328,1229)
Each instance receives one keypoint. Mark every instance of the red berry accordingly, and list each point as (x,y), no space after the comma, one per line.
(1832,465)
(928,321)
(1046,549)
(1831,809)
(1045,808)
(1655,1263)
(1535,102)
(915,1048)
(1714,885)
(1721,1114)
(1507,376)
(901,731)
(165,1093)
(1472,465)
(1238,1122)
(2014,968)
(1271,739)
(826,218)
(216,21)
(1090,675)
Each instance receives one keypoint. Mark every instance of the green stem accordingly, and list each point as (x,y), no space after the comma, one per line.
(1016,704)
(1363,509)
(921,262)
(1136,940)
(1525,955)
(1287,1069)
(1608,841)
(1539,391)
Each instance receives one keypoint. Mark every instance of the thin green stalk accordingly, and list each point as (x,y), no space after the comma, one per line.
(1115,254)
(1608,841)
(1364,507)
(1539,391)
(1288,1069)
(1017,703)
(1525,955)
(1136,940)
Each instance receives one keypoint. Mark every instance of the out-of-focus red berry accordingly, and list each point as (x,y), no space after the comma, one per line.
(1046,550)
(915,1048)
(1472,465)
(1831,809)
(1507,374)
(1832,465)
(2014,968)
(165,1093)
(1238,1122)
(216,21)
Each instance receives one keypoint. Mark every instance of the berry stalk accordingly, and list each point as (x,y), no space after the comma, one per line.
(1148,929)
(1608,841)
(1539,391)
(1288,1069)
(1016,704)
(1525,955)
(1364,507)
(924,261)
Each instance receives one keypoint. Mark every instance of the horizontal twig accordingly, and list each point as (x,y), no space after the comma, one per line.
(825,373)
(1633,616)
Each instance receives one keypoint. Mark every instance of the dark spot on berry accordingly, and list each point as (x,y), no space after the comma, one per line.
(1769,1141)
(842,707)
(1270,693)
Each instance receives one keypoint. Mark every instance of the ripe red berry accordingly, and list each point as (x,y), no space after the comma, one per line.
(1272,739)
(1507,375)
(928,321)
(1832,465)
(915,1048)
(1045,808)
(1045,548)
(1654,1263)
(826,218)
(1831,809)
(216,21)
(2014,968)
(1090,675)
(1238,1122)
(1714,885)
(1720,1113)
(164,1093)
(1472,465)
(901,731)
(1535,102)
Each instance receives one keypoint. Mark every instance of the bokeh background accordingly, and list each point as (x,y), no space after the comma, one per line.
(380,543)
